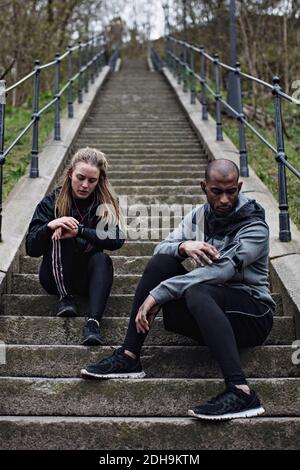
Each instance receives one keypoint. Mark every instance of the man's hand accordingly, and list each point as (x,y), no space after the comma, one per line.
(199,251)
(66,223)
(146,314)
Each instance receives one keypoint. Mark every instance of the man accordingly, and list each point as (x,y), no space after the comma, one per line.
(223,303)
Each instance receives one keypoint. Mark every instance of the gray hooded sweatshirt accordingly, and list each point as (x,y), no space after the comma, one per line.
(242,238)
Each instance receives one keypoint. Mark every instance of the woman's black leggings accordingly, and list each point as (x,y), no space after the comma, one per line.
(65,271)
(219,317)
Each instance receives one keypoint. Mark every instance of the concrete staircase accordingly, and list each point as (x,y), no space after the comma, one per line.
(154,157)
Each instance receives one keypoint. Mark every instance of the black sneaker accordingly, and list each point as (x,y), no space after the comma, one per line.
(66,307)
(91,333)
(117,366)
(233,403)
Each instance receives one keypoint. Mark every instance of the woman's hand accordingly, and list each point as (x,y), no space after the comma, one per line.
(146,314)
(60,234)
(57,234)
(66,223)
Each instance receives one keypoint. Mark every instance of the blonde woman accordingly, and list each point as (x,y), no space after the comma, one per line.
(65,230)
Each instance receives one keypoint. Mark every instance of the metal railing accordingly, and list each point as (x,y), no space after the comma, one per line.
(155,59)
(89,60)
(180,59)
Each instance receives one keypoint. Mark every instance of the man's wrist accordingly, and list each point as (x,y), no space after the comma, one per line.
(181,249)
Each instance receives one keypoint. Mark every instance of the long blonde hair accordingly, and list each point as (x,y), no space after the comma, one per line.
(105,195)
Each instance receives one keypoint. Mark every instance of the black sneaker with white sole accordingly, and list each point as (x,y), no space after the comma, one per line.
(91,333)
(232,403)
(117,366)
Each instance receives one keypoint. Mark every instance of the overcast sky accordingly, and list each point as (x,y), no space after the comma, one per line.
(140,10)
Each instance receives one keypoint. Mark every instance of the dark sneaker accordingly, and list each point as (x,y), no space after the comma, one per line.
(233,403)
(117,366)
(91,333)
(66,307)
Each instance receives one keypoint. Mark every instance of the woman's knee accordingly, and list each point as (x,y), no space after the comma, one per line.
(100,261)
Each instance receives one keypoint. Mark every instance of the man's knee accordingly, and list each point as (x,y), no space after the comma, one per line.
(197,295)
(162,263)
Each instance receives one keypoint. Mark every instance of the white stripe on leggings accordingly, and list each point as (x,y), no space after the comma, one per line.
(56,271)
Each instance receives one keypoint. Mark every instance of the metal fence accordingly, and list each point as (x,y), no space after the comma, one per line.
(87,58)
(180,60)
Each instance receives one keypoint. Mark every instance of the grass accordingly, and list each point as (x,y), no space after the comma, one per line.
(264,164)
(261,158)
(16,119)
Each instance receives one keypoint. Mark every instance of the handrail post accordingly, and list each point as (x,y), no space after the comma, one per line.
(203,82)
(56,94)
(92,74)
(179,64)
(193,82)
(96,56)
(2,127)
(79,59)
(217,98)
(185,75)
(100,58)
(34,166)
(70,88)
(284,220)
(244,170)
(173,58)
(166,51)
(85,61)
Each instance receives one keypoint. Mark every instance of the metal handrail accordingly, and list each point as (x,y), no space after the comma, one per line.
(180,61)
(89,64)
(155,59)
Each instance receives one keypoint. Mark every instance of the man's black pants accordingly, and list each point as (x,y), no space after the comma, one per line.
(66,271)
(217,316)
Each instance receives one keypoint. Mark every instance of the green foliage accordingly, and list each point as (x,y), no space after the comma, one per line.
(16,119)
(264,164)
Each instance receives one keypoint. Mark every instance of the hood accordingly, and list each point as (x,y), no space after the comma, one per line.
(245,212)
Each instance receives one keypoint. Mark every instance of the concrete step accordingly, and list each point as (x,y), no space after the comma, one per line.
(179,182)
(135,160)
(53,330)
(137,168)
(130,128)
(24,283)
(112,145)
(45,305)
(94,433)
(148,158)
(194,190)
(59,361)
(161,198)
(139,139)
(148,151)
(138,248)
(142,174)
(76,397)
(122,264)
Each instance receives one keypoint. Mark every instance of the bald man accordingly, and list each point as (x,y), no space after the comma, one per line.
(224,303)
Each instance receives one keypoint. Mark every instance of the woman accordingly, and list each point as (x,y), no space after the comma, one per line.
(66,230)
